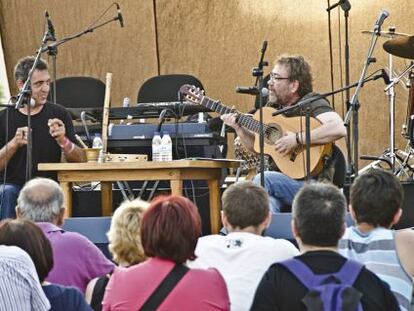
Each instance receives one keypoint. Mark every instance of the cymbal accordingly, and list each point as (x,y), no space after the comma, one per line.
(387,34)
(401,47)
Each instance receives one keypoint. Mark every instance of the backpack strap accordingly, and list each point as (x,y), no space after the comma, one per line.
(349,272)
(164,288)
(99,291)
(301,271)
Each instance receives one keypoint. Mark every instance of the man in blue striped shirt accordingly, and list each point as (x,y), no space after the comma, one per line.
(19,285)
(375,204)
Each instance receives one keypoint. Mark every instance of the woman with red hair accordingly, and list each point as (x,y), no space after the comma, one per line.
(169,232)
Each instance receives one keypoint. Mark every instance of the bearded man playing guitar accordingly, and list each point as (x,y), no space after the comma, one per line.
(290,82)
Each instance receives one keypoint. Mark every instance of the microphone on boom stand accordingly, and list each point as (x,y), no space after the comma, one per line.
(119,17)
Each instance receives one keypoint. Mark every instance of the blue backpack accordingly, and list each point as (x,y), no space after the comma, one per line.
(328,292)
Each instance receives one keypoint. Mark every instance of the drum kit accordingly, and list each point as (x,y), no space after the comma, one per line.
(398,161)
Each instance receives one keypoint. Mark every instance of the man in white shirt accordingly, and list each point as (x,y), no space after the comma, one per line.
(242,256)
(19,284)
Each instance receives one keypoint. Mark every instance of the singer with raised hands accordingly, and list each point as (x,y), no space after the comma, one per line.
(291,82)
(52,135)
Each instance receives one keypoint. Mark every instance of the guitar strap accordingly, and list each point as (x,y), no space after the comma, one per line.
(164,288)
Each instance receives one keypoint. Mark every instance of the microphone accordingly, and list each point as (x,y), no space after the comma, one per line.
(385,76)
(85,126)
(51,29)
(251,90)
(120,18)
(345,5)
(264,46)
(383,15)
(20,101)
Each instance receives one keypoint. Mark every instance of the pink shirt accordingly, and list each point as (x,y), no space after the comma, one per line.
(129,288)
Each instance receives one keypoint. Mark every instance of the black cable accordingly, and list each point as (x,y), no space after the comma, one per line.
(341,80)
(181,113)
(6,141)
(103,14)
(157,52)
(331,54)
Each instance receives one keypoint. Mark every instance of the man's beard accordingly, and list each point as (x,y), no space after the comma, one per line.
(272,100)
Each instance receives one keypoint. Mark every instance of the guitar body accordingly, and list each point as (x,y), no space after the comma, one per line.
(294,164)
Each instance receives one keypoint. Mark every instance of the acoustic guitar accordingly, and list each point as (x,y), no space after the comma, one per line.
(274,127)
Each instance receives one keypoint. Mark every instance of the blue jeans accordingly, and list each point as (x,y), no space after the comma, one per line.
(8,200)
(281,189)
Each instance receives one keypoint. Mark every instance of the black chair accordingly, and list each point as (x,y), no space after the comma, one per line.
(340,167)
(164,88)
(79,92)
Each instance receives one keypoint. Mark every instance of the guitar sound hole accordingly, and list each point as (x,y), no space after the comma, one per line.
(273,133)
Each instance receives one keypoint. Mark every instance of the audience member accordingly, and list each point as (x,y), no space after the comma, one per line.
(29,237)
(169,232)
(244,255)
(19,285)
(76,259)
(318,223)
(124,244)
(376,199)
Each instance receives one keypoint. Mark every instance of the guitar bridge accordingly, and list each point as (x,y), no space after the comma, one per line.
(294,154)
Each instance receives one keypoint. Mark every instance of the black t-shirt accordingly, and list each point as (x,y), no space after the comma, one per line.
(281,290)
(317,107)
(44,148)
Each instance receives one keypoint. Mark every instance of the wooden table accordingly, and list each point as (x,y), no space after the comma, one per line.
(175,171)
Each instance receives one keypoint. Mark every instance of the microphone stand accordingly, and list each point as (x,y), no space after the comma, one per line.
(354,104)
(346,9)
(77,35)
(24,97)
(258,73)
(300,105)
(51,49)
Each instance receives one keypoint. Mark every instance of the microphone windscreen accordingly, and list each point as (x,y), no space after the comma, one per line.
(265,92)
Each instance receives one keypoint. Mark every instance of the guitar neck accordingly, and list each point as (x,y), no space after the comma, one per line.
(243,119)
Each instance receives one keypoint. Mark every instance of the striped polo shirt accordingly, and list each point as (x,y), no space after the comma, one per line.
(376,249)
(19,285)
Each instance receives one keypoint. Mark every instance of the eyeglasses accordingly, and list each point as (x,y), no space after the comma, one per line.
(275,77)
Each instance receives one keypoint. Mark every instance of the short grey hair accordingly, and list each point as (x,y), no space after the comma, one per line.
(40,200)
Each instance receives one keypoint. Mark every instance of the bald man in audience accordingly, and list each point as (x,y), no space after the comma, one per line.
(77,260)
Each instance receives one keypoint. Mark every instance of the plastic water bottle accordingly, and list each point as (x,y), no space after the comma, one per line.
(166,147)
(156,147)
(125,102)
(97,143)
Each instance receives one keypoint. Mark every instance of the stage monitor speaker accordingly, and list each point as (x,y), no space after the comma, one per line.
(407,218)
